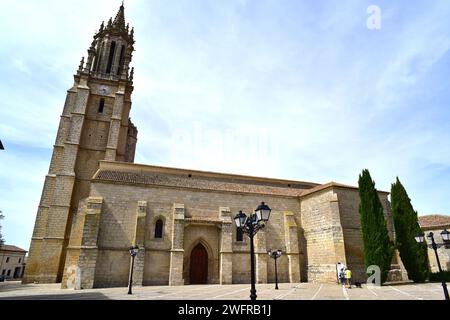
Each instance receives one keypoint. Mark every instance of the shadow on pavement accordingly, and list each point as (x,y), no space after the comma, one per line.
(75,296)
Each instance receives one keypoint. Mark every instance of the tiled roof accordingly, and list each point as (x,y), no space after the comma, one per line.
(203,183)
(434,220)
(330,185)
(323,187)
(10,248)
(135,174)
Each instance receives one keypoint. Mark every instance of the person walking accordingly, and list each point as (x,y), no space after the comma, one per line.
(348,278)
(339,267)
(342,277)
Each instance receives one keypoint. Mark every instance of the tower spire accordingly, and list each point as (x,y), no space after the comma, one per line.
(119,20)
(111,51)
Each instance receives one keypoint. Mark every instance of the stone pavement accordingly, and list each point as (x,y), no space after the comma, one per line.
(302,291)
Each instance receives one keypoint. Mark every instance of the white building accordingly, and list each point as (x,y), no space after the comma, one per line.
(12,261)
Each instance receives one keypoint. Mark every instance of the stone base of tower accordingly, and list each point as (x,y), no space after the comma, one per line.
(43,263)
(32,273)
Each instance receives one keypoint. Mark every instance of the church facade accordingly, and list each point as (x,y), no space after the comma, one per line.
(96,203)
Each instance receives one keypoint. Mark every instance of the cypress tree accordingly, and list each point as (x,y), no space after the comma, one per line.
(378,248)
(414,255)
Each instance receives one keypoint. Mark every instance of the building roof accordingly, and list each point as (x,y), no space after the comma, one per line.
(434,221)
(324,187)
(10,248)
(127,173)
(331,184)
(138,174)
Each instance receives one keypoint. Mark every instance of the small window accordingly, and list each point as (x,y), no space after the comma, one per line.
(239,235)
(9,273)
(159,229)
(3,272)
(7,259)
(20,260)
(101,106)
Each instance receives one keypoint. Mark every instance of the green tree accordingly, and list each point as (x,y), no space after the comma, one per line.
(378,248)
(414,255)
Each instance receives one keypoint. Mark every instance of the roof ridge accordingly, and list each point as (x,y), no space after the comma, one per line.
(434,220)
(8,247)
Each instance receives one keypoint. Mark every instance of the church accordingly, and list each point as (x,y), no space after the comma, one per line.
(96,203)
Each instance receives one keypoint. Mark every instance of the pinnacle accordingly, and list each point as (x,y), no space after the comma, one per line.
(119,20)
(117,26)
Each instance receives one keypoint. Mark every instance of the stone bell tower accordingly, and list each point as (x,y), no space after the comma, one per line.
(94,126)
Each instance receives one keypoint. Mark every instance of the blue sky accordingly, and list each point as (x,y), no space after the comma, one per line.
(286,89)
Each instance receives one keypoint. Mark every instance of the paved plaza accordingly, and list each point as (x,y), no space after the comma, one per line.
(302,291)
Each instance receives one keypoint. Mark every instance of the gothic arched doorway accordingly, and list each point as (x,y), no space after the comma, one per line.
(199,265)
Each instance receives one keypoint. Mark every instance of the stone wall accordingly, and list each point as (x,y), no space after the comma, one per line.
(156,273)
(113,268)
(315,231)
(351,223)
(203,222)
(320,221)
(351,226)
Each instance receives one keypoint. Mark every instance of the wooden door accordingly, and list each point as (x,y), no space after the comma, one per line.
(199,265)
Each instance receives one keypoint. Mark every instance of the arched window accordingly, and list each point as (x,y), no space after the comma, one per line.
(159,225)
(99,57)
(112,53)
(121,60)
(239,235)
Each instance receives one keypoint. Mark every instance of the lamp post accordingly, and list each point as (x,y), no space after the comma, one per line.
(250,225)
(420,238)
(133,252)
(275,254)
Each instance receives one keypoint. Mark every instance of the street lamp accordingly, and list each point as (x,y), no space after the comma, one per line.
(133,252)
(420,238)
(250,225)
(275,254)
(445,237)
